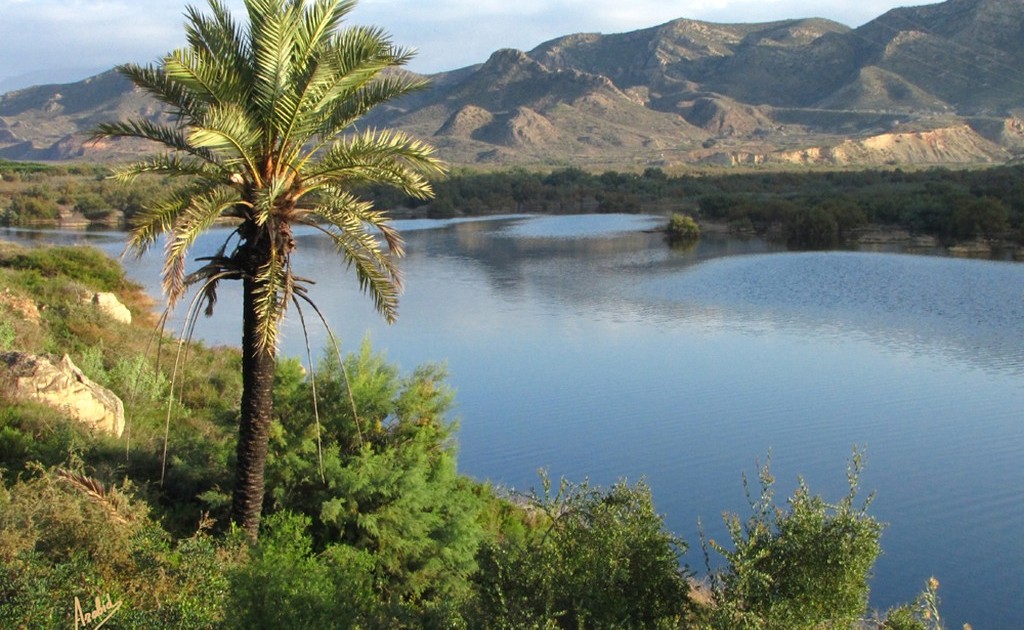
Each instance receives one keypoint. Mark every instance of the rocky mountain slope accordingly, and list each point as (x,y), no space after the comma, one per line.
(936,84)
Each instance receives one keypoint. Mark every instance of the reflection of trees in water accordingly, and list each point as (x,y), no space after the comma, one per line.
(510,262)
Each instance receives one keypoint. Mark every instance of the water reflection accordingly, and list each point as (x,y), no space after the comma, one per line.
(967,310)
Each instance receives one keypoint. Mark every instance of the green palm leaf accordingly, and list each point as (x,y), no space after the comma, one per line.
(190,222)
(389,157)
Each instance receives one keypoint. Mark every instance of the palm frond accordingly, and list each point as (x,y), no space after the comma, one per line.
(229,133)
(173,165)
(223,40)
(156,83)
(274,289)
(273,27)
(315,73)
(94,490)
(159,218)
(170,137)
(216,269)
(339,111)
(388,157)
(320,22)
(356,44)
(197,71)
(346,220)
(203,211)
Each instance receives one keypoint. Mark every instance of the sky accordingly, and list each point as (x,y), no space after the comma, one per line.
(58,41)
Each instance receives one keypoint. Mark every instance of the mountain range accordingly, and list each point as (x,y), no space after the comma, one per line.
(933,84)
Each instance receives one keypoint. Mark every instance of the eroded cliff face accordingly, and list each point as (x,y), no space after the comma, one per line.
(958,144)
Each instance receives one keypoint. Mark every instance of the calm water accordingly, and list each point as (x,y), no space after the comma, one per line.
(587,347)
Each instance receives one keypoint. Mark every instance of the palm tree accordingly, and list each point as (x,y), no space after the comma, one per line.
(263,130)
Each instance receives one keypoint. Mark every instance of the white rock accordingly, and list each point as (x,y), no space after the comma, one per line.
(64,387)
(112,307)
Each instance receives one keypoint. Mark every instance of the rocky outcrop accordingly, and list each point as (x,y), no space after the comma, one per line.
(522,127)
(109,305)
(956,144)
(465,121)
(63,387)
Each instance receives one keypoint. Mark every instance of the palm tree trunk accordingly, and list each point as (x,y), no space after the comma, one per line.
(258,366)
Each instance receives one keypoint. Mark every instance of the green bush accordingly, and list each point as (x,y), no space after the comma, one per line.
(389,484)
(812,228)
(86,265)
(137,381)
(921,614)
(803,566)
(682,228)
(7,335)
(64,535)
(286,585)
(592,559)
(27,209)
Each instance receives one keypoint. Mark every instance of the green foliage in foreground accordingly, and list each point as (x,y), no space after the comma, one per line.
(805,566)
(383,480)
(590,559)
(369,523)
(285,584)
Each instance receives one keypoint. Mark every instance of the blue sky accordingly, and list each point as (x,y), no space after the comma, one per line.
(63,40)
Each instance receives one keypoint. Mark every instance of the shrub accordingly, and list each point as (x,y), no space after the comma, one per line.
(286,585)
(137,381)
(682,228)
(593,560)
(27,209)
(921,614)
(389,483)
(86,265)
(64,535)
(805,566)
(812,228)
(7,335)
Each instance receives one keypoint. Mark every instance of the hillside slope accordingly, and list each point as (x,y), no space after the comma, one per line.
(681,92)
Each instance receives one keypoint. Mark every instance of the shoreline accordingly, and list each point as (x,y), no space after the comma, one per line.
(867,238)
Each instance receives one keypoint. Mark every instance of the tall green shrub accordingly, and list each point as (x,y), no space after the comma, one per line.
(285,584)
(389,484)
(593,559)
(806,565)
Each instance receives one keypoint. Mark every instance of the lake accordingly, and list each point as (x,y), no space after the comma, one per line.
(586,346)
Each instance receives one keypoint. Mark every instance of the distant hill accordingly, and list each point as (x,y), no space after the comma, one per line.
(935,84)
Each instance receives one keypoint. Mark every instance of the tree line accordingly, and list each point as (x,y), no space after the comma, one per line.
(804,209)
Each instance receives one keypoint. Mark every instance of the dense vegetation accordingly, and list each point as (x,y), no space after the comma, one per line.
(369,523)
(805,209)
